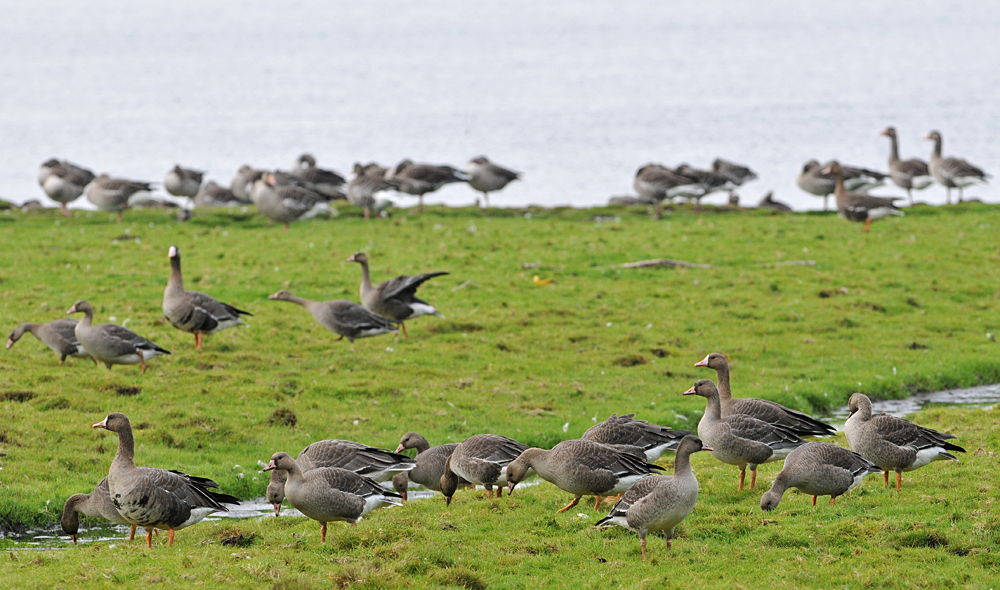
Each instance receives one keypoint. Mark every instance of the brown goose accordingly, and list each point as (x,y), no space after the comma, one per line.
(396,298)
(582,468)
(736,173)
(420,179)
(192,311)
(909,174)
(112,344)
(213,195)
(659,502)
(739,439)
(626,430)
(96,504)
(64,182)
(429,464)
(815,181)
(156,498)
(282,202)
(707,181)
(818,469)
(367,183)
(953,172)
(768,202)
(183,182)
(329,494)
(799,423)
(481,459)
(325,182)
(343,317)
(113,194)
(894,444)
(860,206)
(656,183)
(242,182)
(486,177)
(51,164)
(59,335)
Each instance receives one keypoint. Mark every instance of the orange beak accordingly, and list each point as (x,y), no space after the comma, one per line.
(689,392)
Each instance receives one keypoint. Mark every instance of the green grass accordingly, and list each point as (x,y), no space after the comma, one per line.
(906,308)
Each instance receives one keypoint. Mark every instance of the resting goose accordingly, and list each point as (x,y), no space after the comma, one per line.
(156,498)
(707,181)
(363,189)
(626,430)
(768,202)
(818,469)
(213,195)
(183,182)
(420,179)
(736,173)
(655,183)
(96,504)
(59,335)
(582,468)
(343,317)
(486,177)
(112,344)
(909,174)
(481,459)
(953,172)
(285,203)
(894,444)
(429,464)
(815,181)
(113,194)
(325,182)
(242,182)
(659,502)
(192,311)
(739,439)
(52,164)
(64,182)
(396,298)
(329,494)
(860,206)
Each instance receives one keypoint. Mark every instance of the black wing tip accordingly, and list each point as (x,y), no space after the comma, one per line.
(950,447)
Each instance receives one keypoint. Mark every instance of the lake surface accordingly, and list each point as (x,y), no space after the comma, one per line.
(576,95)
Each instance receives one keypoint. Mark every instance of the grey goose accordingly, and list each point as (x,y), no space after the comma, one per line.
(214,195)
(481,459)
(768,202)
(363,189)
(325,182)
(64,182)
(912,174)
(242,183)
(112,344)
(815,181)
(818,469)
(183,182)
(343,317)
(860,206)
(487,177)
(396,298)
(193,311)
(59,335)
(952,172)
(283,202)
(736,173)
(113,194)
(430,462)
(657,183)
(420,179)
(626,430)
(96,504)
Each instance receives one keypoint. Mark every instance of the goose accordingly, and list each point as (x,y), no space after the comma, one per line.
(183,182)
(582,468)
(953,172)
(285,203)
(626,430)
(909,174)
(192,311)
(420,179)
(860,206)
(815,181)
(739,439)
(112,344)
(343,317)
(818,469)
(656,183)
(65,182)
(96,504)
(659,502)
(768,202)
(113,194)
(736,173)
(59,335)
(486,177)
(429,464)
(328,494)
(157,498)
(707,182)
(363,189)
(213,195)
(378,464)
(51,164)
(325,182)
(396,298)
(481,459)
(894,444)
(799,423)
(242,182)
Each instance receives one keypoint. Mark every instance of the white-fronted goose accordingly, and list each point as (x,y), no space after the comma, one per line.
(192,311)
(894,444)
(736,173)
(183,182)
(799,423)
(582,468)
(707,181)
(343,317)
(65,183)
(156,498)
(486,177)
(420,179)
(396,298)
(325,182)
(953,172)
(113,194)
(860,206)
(626,430)
(329,494)
(112,344)
(768,202)
(285,203)
(59,335)
(213,195)
(481,459)
(96,504)
(739,439)
(242,182)
(659,502)
(429,467)
(818,469)
(656,183)
(51,164)
(815,181)
(363,189)
(909,174)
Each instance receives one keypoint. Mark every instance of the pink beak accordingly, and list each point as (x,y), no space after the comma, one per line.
(702,363)
(277,508)
(71,310)
(510,488)
(102,424)
(689,392)
(10,342)
(270,466)
(399,449)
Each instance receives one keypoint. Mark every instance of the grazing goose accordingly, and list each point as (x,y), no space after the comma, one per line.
(818,469)
(213,195)
(192,311)
(659,502)
(113,194)
(486,177)
(815,181)
(325,182)
(894,444)
(242,182)
(420,179)
(481,459)
(736,173)
(396,298)
(655,183)
(343,317)
(626,430)
(582,468)
(860,206)
(739,439)
(953,172)
(59,335)
(799,423)
(65,182)
(328,494)
(768,202)
(285,203)
(909,174)
(363,189)
(156,498)
(96,504)
(707,182)
(112,344)
(183,182)
(378,464)
(430,464)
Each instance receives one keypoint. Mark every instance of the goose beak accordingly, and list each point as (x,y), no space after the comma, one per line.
(884,132)
(399,449)
(10,342)
(71,310)
(689,392)
(102,424)
(826,170)
(927,137)
(703,362)
(275,296)
(270,466)
(351,259)
(447,501)
(277,509)
(707,448)
(510,488)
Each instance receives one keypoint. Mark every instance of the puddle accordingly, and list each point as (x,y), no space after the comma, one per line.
(984,395)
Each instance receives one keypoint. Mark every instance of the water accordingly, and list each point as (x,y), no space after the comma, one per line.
(985,395)
(576,95)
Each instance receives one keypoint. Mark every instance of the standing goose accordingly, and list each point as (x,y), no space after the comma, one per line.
(798,423)
(736,173)
(815,181)
(59,335)
(655,183)
(113,194)
(739,439)
(429,467)
(626,430)
(953,172)
(768,202)
(183,182)
(582,468)
(420,179)
(396,298)
(481,459)
(242,182)
(65,182)
(51,164)
(156,498)
(860,206)
(894,444)
(486,177)
(325,182)
(707,181)
(96,504)
(659,502)
(328,494)
(285,203)
(343,317)
(192,311)
(363,189)
(110,343)
(909,174)
(818,469)
(213,195)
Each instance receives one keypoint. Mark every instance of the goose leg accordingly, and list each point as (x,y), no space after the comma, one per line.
(960,192)
(885,476)
(368,213)
(403,326)
(642,543)
(486,200)
(420,206)
(339,338)
(149,538)
(287,228)
(489,491)
(814,500)
(131,533)
(868,224)
(753,476)
(949,195)
(65,210)
(322,533)
(62,360)
(499,491)
(825,203)
(743,474)
(899,480)
(142,363)
(119,217)
(832,500)
(95,362)
(170,535)
(909,194)
(575,501)
(597,504)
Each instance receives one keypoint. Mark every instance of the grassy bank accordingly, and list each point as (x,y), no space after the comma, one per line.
(903,309)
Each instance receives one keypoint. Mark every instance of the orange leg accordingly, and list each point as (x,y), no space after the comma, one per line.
(322,534)
(489,492)
(814,500)
(642,543)
(403,326)
(368,213)
(149,537)
(743,474)
(753,478)
(597,504)
(885,476)
(670,544)
(499,491)
(142,363)
(65,210)
(568,506)
(868,224)
(131,534)
(170,535)
(899,480)
(832,500)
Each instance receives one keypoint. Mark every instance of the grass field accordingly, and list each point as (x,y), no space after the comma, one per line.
(903,309)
